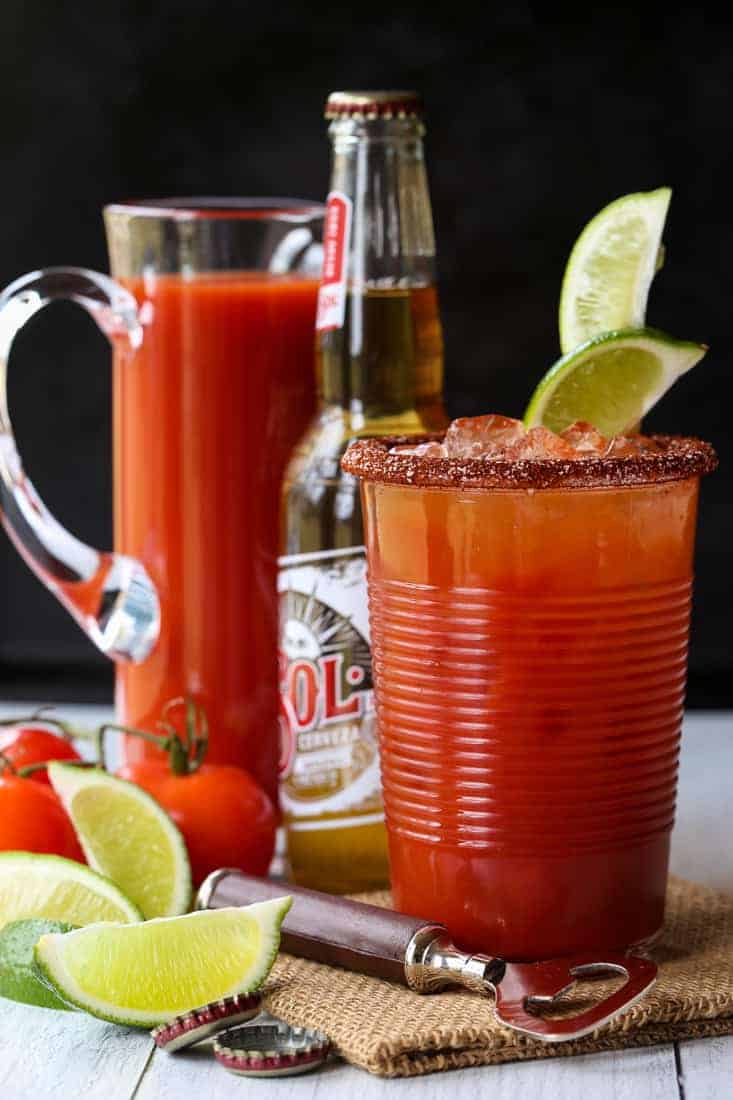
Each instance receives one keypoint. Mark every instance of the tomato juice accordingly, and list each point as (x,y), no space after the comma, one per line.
(206,413)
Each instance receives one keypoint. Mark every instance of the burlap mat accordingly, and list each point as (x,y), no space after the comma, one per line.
(388,1030)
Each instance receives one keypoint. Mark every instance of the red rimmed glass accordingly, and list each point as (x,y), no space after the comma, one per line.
(211,319)
(529,658)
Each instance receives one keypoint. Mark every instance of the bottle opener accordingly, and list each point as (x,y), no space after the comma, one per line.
(420,954)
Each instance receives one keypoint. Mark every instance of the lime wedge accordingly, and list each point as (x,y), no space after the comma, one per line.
(18,978)
(611,381)
(166,966)
(126,836)
(611,267)
(58,889)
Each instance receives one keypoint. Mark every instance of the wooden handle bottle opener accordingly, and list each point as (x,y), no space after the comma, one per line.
(420,954)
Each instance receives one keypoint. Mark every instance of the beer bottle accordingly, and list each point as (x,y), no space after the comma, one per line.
(379,369)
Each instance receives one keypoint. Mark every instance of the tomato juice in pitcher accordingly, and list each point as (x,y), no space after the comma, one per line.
(211,320)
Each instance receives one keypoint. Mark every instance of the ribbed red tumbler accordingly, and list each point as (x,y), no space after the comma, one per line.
(529,651)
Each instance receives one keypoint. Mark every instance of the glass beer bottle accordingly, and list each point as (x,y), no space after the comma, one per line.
(379,367)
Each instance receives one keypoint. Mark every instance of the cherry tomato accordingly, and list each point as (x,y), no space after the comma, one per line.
(226,818)
(32,819)
(24,745)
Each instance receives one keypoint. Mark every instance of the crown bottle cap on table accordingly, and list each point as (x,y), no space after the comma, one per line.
(202,1023)
(271,1050)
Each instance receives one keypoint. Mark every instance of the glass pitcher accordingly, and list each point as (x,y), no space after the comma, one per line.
(211,317)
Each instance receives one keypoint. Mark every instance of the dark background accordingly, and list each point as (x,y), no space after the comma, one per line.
(535,122)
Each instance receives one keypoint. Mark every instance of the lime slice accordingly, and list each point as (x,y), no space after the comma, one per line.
(166,966)
(18,978)
(58,889)
(126,836)
(611,267)
(611,381)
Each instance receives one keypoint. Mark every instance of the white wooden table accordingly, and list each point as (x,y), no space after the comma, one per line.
(45,1054)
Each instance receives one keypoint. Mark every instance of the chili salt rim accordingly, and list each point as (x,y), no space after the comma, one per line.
(682,457)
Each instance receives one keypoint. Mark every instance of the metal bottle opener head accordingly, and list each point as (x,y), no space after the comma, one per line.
(525,993)
(519,1004)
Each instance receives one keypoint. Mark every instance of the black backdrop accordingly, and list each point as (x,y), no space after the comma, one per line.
(534,123)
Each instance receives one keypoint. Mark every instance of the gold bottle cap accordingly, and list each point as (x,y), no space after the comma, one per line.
(369,105)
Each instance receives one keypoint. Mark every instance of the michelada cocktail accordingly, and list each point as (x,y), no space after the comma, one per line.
(529,596)
(529,621)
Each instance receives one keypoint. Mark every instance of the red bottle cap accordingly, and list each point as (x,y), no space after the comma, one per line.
(201,1023)
(369,105)
(271,1050)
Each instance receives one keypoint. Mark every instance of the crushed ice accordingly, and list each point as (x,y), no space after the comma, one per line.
(501,437)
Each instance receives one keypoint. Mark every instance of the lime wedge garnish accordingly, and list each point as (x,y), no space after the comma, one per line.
(611,267)
(58,889)
(126,836)
(18,978)
(611,381)
(145,974)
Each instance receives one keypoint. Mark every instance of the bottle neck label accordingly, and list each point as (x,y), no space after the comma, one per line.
(336,240)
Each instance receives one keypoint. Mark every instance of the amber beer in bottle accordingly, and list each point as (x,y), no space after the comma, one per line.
(379,365)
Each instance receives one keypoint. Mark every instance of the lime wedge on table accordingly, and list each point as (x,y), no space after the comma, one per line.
(611,381)
(145,974)
(58,889)
(127,836)
(18,978)
(611,267)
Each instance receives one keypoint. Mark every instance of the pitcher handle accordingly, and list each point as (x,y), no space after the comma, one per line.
(111,596)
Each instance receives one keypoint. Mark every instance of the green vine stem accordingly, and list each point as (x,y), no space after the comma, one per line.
(6,764)
(187,752)
(64,729)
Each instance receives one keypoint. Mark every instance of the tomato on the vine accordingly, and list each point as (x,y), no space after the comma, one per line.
(226,818)
(26,744)
(32,819)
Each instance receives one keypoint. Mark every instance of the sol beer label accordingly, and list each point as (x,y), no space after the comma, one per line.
(329,768)
(336,237)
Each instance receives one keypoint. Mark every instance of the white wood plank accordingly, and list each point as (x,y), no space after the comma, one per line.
(87,714)
(47,1055)
(705,804)
(707,1068)
(197,1074)
(647,1074)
